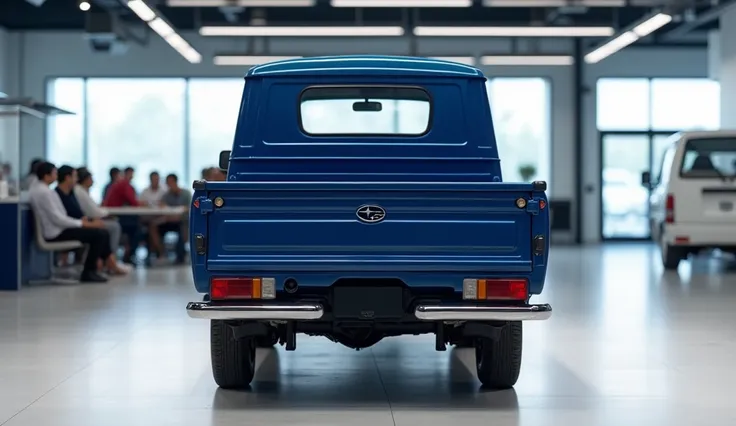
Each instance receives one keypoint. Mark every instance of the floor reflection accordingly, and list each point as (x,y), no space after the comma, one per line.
(627,344)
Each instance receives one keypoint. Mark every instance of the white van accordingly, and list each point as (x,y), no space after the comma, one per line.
(693,201)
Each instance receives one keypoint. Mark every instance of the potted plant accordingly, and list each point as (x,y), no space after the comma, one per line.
(527,172)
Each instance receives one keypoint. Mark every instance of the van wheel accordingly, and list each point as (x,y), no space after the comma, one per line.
(498,361)
(671,256)
(233,361)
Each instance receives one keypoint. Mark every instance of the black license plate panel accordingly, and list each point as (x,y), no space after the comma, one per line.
(368,303)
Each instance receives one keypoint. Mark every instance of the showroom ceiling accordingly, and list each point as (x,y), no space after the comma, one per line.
(194,14)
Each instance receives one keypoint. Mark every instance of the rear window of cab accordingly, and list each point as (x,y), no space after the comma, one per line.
(365,111)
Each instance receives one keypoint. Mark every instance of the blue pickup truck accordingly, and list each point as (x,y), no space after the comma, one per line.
(364,200)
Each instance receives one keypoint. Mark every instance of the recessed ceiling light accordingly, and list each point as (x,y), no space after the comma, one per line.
(302,31)
(431,31)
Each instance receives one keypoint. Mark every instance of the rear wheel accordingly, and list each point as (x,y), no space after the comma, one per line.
(233,361)
(498,361)
(671,256)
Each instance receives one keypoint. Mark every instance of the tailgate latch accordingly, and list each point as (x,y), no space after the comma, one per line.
(532,206)
(205,205)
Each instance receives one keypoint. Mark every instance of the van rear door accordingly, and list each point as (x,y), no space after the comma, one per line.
(705,191)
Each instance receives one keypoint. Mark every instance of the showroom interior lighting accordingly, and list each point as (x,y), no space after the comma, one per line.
(241,3)
(246,60)
(627,38)
(554,3)
(528,60)
(301,31)
(159,25)
(401,3)
(431,31)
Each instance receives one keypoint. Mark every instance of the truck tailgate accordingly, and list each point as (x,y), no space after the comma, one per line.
(316,226)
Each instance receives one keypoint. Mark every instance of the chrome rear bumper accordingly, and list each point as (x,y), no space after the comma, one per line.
(315,311)
(204,310)
(483,313)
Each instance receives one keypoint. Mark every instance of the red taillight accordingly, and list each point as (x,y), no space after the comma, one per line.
(670,209)
(235,288)
(503,289)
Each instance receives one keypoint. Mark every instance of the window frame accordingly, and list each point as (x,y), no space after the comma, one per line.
(430,117)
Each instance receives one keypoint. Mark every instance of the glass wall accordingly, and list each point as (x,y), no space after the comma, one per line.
(180,125)
(635,117)
(521,116)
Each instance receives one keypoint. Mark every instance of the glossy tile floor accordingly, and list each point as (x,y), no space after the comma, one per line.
(627,345)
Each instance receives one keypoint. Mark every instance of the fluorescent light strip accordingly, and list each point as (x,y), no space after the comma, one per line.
(423,31)
(142,10)
(629,37)
(305,31)
(554,3)
(163,29)
(466,60)
(402,3)
(524,60)
(652,24)
(244,60)
(611,47)
(241,3)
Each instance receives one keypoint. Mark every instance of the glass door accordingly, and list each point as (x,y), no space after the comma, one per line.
(624,200)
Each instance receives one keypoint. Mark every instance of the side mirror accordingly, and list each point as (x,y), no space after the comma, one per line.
(224,160)
(646,179)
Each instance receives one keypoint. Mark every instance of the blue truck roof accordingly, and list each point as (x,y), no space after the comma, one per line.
(365,65)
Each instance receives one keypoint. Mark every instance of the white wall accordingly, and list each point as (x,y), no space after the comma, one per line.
(52,54)
(632,62)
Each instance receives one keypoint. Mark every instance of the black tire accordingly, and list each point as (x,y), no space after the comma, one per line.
(498,362)
(267,341)
(233,361)
(671,257)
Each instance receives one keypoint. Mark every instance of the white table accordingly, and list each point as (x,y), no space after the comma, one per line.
(145,211)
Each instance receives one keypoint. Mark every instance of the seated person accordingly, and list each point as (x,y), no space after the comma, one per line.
(92,210)
(56,225)
(175,196)
(114,177)
(66,181)
(122,194)
(152,195)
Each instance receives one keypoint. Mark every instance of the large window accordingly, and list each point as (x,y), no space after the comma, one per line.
(66,132)
(170,125)
(521,117)
(135,122)
(636,116)
(180,125)
(213,106)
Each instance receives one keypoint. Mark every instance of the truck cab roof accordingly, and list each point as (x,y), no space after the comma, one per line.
(365,65)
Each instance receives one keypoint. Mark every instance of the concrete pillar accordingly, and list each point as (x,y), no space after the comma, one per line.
(726,74)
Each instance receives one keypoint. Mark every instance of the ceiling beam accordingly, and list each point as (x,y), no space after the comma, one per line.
(704,18)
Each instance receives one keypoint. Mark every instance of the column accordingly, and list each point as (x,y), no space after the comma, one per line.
(726,73)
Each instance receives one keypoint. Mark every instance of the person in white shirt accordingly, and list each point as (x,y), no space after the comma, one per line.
(92,209)
(56,225)
(152,195)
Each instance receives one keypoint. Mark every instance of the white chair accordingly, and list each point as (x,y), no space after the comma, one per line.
(53,247)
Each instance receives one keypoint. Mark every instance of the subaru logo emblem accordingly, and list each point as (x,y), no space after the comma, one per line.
(371,213)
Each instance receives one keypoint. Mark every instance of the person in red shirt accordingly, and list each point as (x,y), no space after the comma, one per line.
(122,194)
